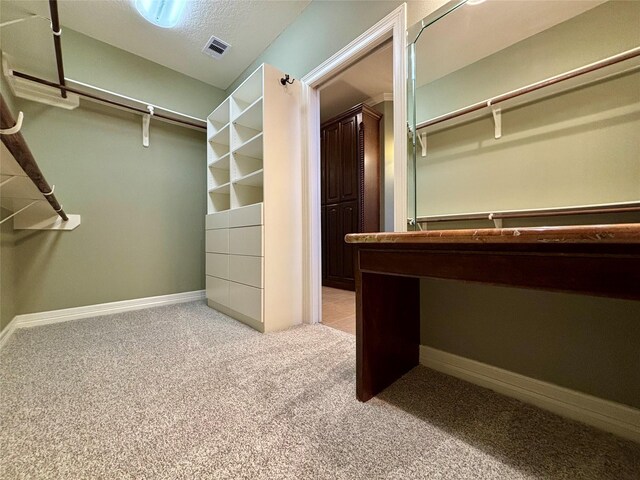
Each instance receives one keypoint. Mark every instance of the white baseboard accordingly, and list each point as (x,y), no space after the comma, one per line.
(7,331)
(610,416)
(76,313)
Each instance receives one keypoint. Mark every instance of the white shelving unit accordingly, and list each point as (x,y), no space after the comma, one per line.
(253,236)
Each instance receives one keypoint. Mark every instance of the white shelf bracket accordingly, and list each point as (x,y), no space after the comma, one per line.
(146,120)
(422,138)
(16,128)
(497,120)
(497,222)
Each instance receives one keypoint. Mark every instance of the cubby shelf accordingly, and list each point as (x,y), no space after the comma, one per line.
(225,188)
(254,179)
(251,117)
(221,136)
(222,162)
(251,148)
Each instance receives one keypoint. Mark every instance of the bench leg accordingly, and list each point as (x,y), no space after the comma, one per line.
(387,330)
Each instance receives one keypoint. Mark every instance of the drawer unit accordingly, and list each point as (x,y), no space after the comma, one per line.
(216,220)
(246,270)
(246,241)
(217,265)
(217,290)
(246,300)
(217,241)
(246,216)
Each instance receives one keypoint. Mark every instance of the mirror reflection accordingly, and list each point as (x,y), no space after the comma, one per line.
(526,105)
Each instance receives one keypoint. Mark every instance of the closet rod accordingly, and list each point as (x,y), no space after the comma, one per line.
(57,44)
(623,207)
(18,147)
(105,100)
(607,62)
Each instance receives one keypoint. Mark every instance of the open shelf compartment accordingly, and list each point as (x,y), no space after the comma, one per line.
(251,117)
(252,147)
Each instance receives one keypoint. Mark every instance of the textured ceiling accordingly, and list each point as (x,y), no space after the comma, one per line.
(248,25)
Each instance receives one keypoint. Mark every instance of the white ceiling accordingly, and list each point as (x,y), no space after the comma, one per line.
(369,78)
(474,32)
(248,25)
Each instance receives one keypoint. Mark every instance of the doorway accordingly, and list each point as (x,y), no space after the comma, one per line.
(354,163)
(393,27)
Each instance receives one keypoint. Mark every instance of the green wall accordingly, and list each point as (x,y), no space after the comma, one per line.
(142,231)
(326,26)
(91,61)
(576,148)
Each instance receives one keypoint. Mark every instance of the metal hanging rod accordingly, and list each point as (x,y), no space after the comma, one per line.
(98,98)
(57,44)
(621,207)
(621,57)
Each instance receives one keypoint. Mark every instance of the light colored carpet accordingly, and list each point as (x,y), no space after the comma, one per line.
(184,392)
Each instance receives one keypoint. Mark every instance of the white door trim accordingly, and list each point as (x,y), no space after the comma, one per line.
(394,27)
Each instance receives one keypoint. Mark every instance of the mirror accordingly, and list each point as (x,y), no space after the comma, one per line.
(524,105)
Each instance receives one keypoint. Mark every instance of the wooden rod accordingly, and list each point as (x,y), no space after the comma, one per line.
(20,150)
(542,212)
(98,98)
(57,44)
(607,62)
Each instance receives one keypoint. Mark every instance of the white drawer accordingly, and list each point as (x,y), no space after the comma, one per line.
(246,241)
(246,216)
(246,300)
(217,220)
(247,270)
(217,290)
(217,241)
(217,265)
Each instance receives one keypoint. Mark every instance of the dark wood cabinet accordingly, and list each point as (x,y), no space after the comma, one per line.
(350,164)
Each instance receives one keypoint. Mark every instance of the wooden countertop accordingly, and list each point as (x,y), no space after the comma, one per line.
(628,233)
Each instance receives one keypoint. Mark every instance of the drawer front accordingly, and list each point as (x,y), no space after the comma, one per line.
(217,241)
(246,241)
(217,290)
(217,265)
(246,216)
(246,300)
(216,220)
(247,270)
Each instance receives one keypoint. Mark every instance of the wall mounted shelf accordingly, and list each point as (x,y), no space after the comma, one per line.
(621,63)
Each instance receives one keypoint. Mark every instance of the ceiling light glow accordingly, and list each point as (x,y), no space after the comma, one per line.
(163,13)
(475,2)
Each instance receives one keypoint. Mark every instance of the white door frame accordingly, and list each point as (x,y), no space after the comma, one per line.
(394,27)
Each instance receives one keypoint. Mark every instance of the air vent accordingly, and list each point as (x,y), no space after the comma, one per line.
(215,47)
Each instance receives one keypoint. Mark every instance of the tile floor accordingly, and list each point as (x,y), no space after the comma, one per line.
(339,309)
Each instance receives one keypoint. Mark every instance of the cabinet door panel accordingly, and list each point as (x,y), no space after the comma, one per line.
(217,241)
(217,265)
(246,270)
(349,159)
(217,290)
(246,241)
(349,218)
(332,162)
(333,246)
(246,300)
